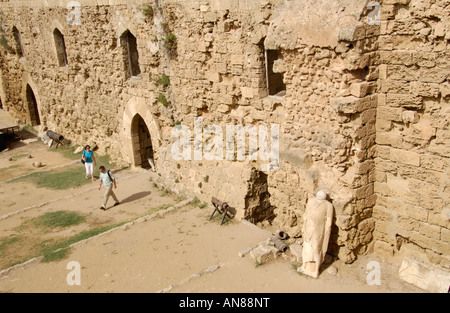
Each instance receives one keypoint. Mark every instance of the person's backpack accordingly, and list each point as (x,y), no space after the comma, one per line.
(109,175)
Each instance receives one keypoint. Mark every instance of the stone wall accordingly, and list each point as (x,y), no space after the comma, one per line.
(412,165)
(363,114)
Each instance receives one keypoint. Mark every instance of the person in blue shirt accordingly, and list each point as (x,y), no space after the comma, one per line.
(89,161)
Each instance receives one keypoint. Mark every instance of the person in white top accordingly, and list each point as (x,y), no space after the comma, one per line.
(107,179)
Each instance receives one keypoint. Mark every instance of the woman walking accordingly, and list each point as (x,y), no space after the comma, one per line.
(89,161)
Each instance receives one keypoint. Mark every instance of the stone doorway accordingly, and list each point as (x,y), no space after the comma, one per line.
(142,143)
(32,106)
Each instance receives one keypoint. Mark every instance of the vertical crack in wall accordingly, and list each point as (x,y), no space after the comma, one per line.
(257,200)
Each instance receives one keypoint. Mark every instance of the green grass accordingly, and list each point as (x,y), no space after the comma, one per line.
(30,129)
(195,201)
(60,180)
(55,250)
(164,80)
(60,250)
(162,99)
(165,192)
(7,241)
(58,219)
(20,156)
(68,152)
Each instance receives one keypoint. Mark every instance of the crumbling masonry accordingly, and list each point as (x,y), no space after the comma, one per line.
(360,93)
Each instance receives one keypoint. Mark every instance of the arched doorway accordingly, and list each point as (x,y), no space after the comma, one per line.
(142,143)
(32,107)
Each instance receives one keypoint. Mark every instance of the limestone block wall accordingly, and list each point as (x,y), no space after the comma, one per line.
(363,113)
(412,131)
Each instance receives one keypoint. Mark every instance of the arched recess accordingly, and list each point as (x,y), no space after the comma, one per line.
(136,115)
(60,47)
(32,106)
(142,143)
(130,53)
(18,40)
(31,101)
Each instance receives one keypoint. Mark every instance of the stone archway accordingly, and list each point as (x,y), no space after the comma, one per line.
(32,107)
(142,143)
(141,135)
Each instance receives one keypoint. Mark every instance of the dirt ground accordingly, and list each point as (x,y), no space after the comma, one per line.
(176,251)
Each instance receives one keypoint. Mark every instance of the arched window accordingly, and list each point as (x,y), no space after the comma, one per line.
(18,47)
(60,47)
(131,55)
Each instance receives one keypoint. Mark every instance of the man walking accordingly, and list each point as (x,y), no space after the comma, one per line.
(107,179)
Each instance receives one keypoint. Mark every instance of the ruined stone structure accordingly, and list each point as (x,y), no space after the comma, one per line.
(360,92)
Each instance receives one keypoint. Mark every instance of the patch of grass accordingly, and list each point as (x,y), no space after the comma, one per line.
(53,256)
(7,241)
(159,208)
(57,219)
(203,205)
(20,156)
(148,12)
(206,179)
(171,43)
(195,201)
(166,192)
(162,99)
(30,129)
(164,80)
(58,180)
(179,198)
(68,152)
(60,250)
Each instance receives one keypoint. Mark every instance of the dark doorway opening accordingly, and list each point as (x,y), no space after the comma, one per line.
(142,144)
(32,107)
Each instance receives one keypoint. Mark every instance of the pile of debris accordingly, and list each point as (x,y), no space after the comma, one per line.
(279,245)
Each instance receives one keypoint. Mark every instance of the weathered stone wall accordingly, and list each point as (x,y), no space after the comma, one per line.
(412,168)
(364,114)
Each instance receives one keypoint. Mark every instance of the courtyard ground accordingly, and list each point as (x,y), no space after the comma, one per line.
(154,241)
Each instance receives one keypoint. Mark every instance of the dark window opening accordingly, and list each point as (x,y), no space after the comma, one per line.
(1,104)
(17,39)
(60,48)
(32,107)
(131,55)
(275,84)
